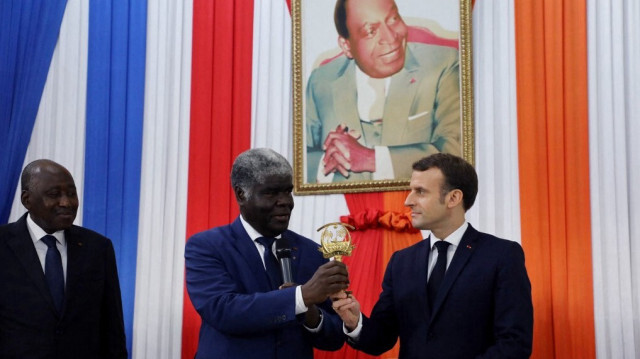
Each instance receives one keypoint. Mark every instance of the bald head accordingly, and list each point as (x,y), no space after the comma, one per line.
(49,193)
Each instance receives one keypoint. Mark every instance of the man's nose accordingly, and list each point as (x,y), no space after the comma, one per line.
(65,201)
(285,199)
(407,201)
(387,34)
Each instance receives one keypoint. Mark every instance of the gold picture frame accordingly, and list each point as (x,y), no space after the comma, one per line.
(424,35)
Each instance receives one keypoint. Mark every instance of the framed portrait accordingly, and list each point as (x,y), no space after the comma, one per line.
(377,85)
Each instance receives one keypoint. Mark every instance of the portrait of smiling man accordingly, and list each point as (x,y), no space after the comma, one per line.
(383,104)
(236,284)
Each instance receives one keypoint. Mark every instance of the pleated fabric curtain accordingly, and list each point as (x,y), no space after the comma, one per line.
(220,122)
(59,129)
(28,34)
(554,171)
(164,175)
(614,128)
(113,147)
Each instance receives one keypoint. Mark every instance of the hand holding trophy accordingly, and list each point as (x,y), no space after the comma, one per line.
(335,241)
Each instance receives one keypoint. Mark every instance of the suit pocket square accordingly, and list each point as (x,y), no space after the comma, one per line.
(411,118)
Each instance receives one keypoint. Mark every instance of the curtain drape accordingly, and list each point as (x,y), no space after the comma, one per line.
(59,130)
(113,147)
(163,196)
(554,168)
(220,121)
(28,35)
(614,127)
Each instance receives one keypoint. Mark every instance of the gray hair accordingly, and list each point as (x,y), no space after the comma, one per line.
(255,165)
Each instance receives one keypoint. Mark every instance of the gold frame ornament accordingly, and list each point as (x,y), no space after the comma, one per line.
(303,64)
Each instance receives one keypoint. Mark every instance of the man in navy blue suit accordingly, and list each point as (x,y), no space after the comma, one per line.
(476,302)
(59,296)
(246,312)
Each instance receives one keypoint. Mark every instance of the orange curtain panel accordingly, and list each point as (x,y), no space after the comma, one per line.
(551,67)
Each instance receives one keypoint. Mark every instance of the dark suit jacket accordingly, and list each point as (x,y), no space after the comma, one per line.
(241,316)
(91,324)
(483,309)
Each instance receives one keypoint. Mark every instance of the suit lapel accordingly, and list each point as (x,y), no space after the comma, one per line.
(22,246)
(345,98)
(248,251)
(422,261)
(75,263)
(402,92)
(464,251)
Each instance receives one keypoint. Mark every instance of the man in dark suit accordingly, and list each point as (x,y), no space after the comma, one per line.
(235,284)
(60,294)
(477,300)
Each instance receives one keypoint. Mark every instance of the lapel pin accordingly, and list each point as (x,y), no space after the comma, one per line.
(412,80)
(468,246)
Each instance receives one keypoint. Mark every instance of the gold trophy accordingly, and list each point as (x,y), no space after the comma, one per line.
(335,241)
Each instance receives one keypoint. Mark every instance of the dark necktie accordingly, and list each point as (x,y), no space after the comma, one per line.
(53,272)
(437,274)
(270,262)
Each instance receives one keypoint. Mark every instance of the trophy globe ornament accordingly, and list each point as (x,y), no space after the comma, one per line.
(335,240)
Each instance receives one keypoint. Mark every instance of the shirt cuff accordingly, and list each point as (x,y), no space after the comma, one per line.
(300,307)
(355,334)
(384,166)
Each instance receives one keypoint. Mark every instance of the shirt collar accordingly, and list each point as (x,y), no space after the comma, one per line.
(37,232)
(454,238)
(253,234)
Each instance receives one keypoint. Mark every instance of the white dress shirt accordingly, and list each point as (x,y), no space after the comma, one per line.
(37,233)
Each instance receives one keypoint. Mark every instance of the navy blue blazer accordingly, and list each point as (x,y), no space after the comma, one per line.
(241,316)
(483,309)
(90,325)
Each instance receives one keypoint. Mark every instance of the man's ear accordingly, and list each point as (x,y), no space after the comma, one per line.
(455,198)
(345,46)
(24,198)
(241,196)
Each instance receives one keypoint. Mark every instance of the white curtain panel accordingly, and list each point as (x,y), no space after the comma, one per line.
(614,126)
(58,133)
(497,208)
(163,195)
(271,118)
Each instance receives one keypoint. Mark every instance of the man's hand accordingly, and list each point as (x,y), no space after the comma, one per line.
(343,152)
(329,278)
(348,308)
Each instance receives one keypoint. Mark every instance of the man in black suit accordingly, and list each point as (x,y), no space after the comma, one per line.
(60,294)
(477,300)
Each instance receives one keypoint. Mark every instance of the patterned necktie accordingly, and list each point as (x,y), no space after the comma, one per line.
(437,274)
(53,272)
(270,262)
